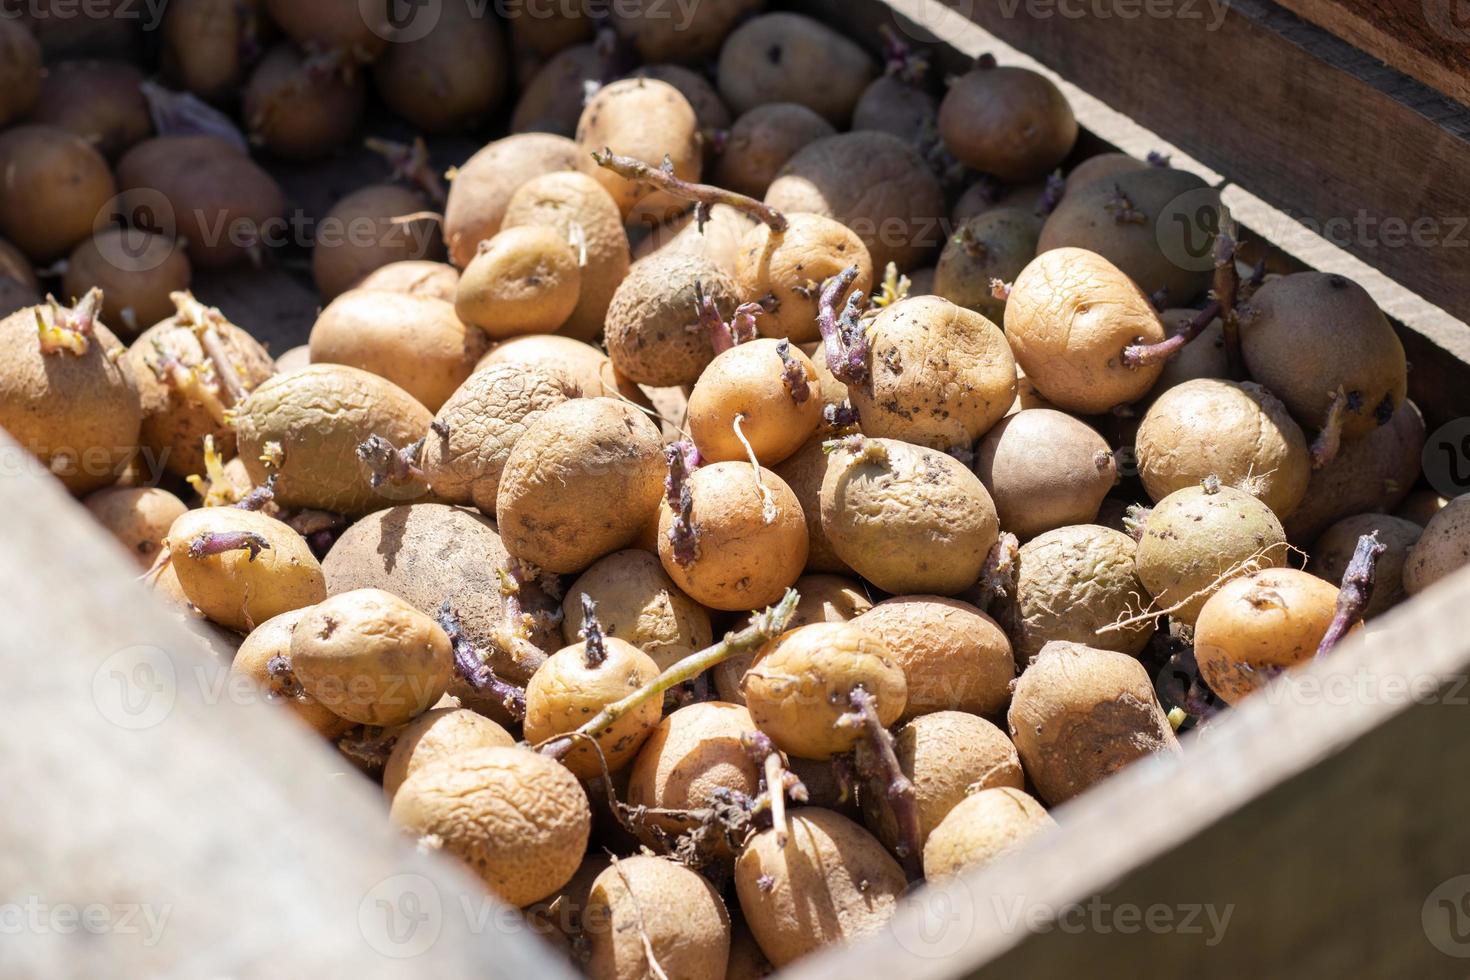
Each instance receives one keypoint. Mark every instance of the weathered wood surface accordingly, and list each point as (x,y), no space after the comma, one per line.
(158,823)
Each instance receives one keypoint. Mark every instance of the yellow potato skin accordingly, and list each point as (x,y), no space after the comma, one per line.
(654,900)
(138,517)
(272,639)
(525,280)
(792,266)
(1258,625)
(437,734)
(648,120)
(747,383)
(568,691)
(982,828)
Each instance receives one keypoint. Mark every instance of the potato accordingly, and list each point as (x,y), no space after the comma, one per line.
(1312,333)
(1007,121)
(438,280)
(908,519)
(790,267)
(426,553)
(482,188)
(551,100)
(660,32)
(1080,714)
(524,280)
(651,908)
(1240,433)
(516,818)
(1202,357)
(100,101)
(547,30)
(709,108)
(831,883)
(996,245)
(582,212)
(1072,583)
(693,756)
(804,472)
(207,45)
(980,829)
(748,538)
(138,517)
(1155,224)
(653,332)
(224,205)
(304,428)
(20,71)
(761,142)
(648,120)
(182,404)
(574,685)
(892,104)
(272,639)
(775,58)
(719,243)
(985,195)
(136,270)
(300,112)
(953,656)
(949,755)
(55,186)
(337,26)
(1258,625)
(1334,550)
(454,77)
(367,230)
(747,386)
(436,735)
(1442,550)
(580,484)
(1039,489)
(590,369)
(747,962)
(1198,538)
(1104,166)
(471,439)
(1069,316)
(874,183)
(1420,506)
(638,602)
(939,375)
(1373,473)
(800,683)
(78,414)
(269,570)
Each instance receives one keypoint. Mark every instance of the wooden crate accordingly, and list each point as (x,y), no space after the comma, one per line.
(1324,818)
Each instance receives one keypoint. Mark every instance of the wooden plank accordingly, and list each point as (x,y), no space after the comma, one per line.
(1428,40)
(159,823)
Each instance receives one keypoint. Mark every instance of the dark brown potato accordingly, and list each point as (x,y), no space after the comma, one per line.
(551,102)
(56,187)
(779,57)
(100,101)
(136,271)
(1007,121)
(356,30)
(20,70)
(298,111)
(366,231)
(668,32)
(208,44)
(1334,549)
(762,141)
(452,78)
(549,29)
(892,105)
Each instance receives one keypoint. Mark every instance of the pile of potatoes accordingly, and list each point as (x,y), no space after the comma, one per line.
(733,501)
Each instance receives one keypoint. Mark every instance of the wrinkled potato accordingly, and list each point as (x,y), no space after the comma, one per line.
(648,120)
(1240,433)
(100,101)
(472,436)
(438,734)
(589,368)
(1038,489)
(776,57)
(581,483)
(367,230)
(482,188)
(451,79)
(1069,317)
(954,657)
(693,755)
(272,639)
(1007,121)
(1198,538)
(804,472)
(792,266)
(138,517)
(761,142)
(136,270)
(577,207)
(741,556)
(1073,583)
(832,882)
(748,386)
(718,244)
(659,32)
(524,280)
(20,70)
(574,685)
(415,342)
(1258,625)
(298,112)
(653,331)
(949,755)
(1080,714)
(241,568)
(1443,548)
(800,683)
(638,602)
(437,280)
(980,829)
(939,376)
(875,184)
(1334,550)
(56,187)
(908,519)
(516,818)
(648,907)
(995,245)
(304,428)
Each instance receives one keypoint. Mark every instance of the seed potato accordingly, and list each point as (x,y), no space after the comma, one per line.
(1443,548)
(1038,490)
(99,100)
(20,71)
(718,244)
(417,277)
(438,734)
(761,142)
(298,112)
(1008,121)
(995,245)
(207,44)
(572,686)
(367,230)
(804,472)
(745,386)
(1258,625)
(647,907)
(272,639)
(591,369)
(648,120)
(136,270)
(638,602)
(776,57)
(709,108)
(1334,550)
(953,656)
(482,188)
(551,100)
(792,266)
(658,33)
(692,756)
(980,829)
(451,79)
(653,331)
(138,517)
(56,186)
